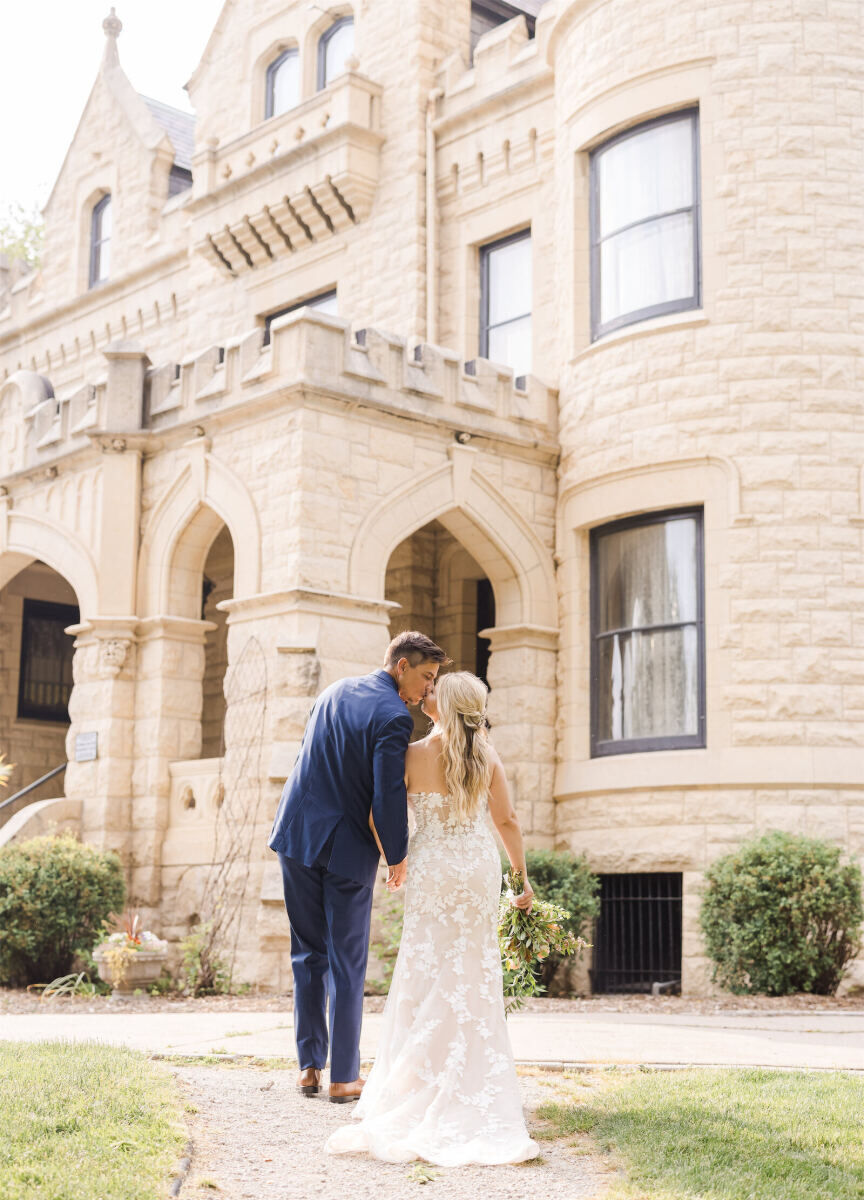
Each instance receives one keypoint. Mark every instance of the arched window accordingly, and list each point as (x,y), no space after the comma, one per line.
(335,46)
(100,241)
(283,83)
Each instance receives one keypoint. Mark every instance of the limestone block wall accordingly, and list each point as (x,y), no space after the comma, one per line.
(748,406)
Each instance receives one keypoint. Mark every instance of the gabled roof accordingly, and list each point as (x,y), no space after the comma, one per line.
(180,127)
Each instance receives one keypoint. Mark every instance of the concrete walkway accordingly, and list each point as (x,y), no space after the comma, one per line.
(828,1040)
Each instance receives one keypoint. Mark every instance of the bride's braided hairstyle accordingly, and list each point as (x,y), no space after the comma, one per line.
(461,700)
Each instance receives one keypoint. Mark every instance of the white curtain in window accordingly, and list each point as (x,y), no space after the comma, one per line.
(648,679)
(647,575)
(510,345)
(509,281)
(649,684)
(285,85)
(646,175)
(339,47)
(646,265)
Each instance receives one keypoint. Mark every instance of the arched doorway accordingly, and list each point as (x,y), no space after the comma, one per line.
(445,593)
(37,605)
(217,584)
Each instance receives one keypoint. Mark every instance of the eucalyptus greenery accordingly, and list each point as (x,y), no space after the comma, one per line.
(528,938)
(782,914)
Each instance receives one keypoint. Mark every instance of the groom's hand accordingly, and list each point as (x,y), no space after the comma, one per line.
(396,875)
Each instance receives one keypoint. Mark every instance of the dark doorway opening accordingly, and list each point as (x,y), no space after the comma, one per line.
(637,937)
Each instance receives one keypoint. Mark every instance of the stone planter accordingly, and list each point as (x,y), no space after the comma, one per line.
(143,967)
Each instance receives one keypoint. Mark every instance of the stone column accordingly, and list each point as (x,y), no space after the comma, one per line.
(283,648)
(103,703)
(522,710)
(168,703)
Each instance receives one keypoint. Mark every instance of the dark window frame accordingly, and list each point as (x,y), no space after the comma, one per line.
(323,42)
(331,293)
(97,241)
(679,741)
(65,614)
(486,251)
(272,68)
(686,304)
(179,180)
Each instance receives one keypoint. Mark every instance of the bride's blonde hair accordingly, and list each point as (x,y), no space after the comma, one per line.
(461,699)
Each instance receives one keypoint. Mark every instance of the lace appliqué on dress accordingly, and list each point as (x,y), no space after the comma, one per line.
(444,1087)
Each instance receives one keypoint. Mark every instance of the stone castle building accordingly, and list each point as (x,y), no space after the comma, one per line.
(537,326)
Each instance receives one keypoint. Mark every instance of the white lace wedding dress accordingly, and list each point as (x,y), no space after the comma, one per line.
(443,1086)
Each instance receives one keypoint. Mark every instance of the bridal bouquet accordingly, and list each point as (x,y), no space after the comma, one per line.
(526,938)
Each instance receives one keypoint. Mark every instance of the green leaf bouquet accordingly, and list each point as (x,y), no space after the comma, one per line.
(527,938)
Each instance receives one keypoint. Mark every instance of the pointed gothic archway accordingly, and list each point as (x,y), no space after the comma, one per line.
(497,544)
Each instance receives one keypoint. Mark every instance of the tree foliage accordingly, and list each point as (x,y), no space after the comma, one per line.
(782,914)
(22,232)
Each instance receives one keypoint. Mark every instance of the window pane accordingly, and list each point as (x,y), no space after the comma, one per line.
(648,685)
(647,575)
(325,304)
(646,174)
(340,46)
(509,269)
(103,260)
(285,85)
(647,265)
(103,222)
(510,345)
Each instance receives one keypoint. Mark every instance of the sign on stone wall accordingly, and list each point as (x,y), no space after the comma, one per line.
(86,746)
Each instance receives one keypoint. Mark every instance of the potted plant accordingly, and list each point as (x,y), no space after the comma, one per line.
(129,957)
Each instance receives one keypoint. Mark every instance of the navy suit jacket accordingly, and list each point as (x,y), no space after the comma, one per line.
(352,758)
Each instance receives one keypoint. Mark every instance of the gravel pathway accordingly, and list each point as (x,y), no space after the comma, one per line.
(254,1136)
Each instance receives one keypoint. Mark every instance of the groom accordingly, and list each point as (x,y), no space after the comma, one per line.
(351,760)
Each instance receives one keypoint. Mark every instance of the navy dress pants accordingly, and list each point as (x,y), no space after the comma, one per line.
(330,918)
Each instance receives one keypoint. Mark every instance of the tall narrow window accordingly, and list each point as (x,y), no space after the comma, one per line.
(335,46)
(283,84)
(100,241)
(645,223)
(45,677)
(324,302)
(647,636)
(505,302)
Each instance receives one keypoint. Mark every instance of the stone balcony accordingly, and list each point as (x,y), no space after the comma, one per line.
(292,181)
(311,351)
(131,402)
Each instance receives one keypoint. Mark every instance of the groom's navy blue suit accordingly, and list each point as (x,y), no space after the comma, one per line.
(352,758)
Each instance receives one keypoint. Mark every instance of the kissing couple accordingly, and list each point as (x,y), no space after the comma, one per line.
(443,1086)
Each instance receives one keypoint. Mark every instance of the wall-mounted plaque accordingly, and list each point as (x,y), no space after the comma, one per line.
(86,746)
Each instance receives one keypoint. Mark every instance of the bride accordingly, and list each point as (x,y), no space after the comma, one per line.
(443,1086)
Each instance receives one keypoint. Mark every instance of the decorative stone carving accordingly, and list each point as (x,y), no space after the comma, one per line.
(112,655)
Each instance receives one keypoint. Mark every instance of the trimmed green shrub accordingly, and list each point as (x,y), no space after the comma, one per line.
(54,894)
(782,914)
(568,881)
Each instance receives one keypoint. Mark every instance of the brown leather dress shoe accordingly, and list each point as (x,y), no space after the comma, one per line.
(309,1081)
(344,1093)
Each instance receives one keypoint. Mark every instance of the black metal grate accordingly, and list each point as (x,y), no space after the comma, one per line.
(45,676)
(637,937)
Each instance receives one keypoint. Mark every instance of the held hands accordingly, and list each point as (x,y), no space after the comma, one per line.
(396,875)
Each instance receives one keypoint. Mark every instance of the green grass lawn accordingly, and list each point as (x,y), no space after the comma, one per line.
(724,1135)
(84,1121)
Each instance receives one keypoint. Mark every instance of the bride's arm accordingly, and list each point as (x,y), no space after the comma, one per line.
(507,823)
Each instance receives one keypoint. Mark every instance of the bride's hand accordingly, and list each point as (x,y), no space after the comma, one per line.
(525,898)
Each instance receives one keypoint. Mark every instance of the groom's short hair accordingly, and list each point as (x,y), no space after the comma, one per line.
(416,647)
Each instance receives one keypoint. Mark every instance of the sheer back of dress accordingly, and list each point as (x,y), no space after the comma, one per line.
(432,815)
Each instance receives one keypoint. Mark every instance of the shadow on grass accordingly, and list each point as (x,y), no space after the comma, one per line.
(727,1135)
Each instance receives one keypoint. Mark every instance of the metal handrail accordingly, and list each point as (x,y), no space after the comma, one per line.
(31,787)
